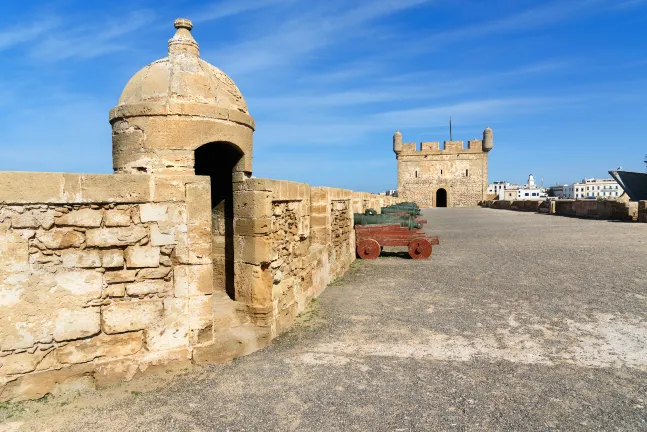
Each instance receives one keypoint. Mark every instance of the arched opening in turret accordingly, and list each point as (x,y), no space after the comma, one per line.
(217,160)
(441,198)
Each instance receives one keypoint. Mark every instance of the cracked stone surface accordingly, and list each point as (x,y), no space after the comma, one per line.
(519,321)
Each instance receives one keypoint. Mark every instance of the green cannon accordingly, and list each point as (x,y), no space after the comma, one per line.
(370,218)
(411,211)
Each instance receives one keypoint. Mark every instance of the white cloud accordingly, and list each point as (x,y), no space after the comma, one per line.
(12,36)
(91,40)
(289,41)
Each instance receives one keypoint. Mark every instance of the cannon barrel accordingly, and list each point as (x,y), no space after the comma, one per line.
(382,219)
(404,204)
(408,210)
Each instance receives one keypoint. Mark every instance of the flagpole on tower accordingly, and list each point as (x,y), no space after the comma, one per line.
(450,129)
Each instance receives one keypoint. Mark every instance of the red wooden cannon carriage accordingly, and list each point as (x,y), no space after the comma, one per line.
(371,238)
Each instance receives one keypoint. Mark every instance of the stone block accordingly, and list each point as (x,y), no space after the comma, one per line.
(232,343)
(153,273)
(76,324)
(130,315)
(112,258)
(120,276)
(320,221)
(151,286)
(192,252)
(86,218)
(36,385)
(168,188)
(110,188)
(173,332)
(253,284)
(252,227)
(117,345)
(83,283)
(198,203)
(115,290)
(14,253)
(253,205)
(252,250)
(286,318)
(33,219)
(117,218)
(193,280)
(259,184)
(30,187)
(320,209)
(200,314)
(21,363)
(142,256)
(153,212)
(73,258)
(60,238)
(160,239)
(110,237)
(199,233)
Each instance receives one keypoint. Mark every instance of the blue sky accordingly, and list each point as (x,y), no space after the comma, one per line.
(562,83)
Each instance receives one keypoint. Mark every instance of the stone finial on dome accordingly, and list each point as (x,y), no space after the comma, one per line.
(182,42)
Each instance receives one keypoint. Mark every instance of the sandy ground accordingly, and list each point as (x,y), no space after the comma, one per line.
(518,322)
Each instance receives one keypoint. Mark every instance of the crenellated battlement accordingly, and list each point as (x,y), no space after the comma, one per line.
(449,147)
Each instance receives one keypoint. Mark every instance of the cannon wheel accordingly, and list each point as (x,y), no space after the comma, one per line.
(420,248)
(368,249)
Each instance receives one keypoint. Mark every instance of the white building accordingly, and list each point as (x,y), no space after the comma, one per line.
(510,191)
(593,188)
(530,191)
(498,188)
(559,191)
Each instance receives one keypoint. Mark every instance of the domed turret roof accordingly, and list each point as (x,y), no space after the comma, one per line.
(182,78)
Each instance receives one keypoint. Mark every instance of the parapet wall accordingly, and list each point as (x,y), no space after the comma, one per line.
(298,239)
(100,275)
(105,276)
(596,209)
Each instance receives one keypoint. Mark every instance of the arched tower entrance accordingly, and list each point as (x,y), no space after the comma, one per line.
(218,161)
(441,198)
(183,116)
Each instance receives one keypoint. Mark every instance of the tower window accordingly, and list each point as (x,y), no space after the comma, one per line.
(467,173)
(441,172)
(416,173)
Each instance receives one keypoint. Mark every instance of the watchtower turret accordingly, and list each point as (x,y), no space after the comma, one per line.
(397,142)
(488,139)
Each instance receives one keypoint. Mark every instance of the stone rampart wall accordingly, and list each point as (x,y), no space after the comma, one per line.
(100,275)
(598,209)
(299,238)
(105,276)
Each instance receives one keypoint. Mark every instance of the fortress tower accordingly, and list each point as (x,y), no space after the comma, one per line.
(450,177)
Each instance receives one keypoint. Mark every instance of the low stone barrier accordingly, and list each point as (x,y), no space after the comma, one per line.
(525,205)
(642,211)
(615,210)
(602,209)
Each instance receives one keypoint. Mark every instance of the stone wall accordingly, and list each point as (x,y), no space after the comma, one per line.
(102,277)
(597,209)
(299,239)
(642,211)
(105,276)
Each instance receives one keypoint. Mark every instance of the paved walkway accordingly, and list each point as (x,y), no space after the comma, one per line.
(518,322)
